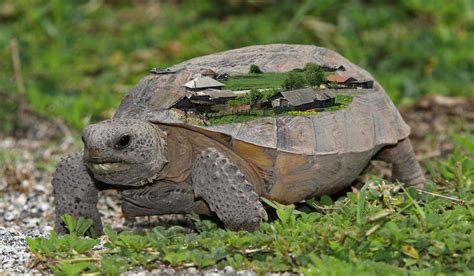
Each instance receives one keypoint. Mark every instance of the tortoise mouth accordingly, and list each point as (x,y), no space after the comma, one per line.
(108,167)
(122,172)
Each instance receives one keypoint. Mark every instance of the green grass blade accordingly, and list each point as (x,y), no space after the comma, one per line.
(361,205)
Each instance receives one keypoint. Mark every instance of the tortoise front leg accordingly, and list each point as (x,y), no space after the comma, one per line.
(405,167)
(162,198)
(226,190)
(75,192)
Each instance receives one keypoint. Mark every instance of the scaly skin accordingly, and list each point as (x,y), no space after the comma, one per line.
(113,161)
(224,187)
(201,174)
(75,192)
(405,167)
(287,158)
(161,198)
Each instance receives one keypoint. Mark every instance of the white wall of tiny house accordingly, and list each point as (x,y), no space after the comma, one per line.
(278,102)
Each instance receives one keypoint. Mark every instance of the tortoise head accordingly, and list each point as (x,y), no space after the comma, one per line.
(126,152)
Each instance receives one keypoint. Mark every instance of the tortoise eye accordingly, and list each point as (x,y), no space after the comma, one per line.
(123,142)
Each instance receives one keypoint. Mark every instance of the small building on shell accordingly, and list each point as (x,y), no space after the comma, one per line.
(218,96)
(329,68)
(349,82)
(202,83)
(302,99)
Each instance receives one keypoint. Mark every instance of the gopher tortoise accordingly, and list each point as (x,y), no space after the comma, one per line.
(162,164)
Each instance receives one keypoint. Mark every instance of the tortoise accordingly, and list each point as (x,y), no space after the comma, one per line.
(162,164)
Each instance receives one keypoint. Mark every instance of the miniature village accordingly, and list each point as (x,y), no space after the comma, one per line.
(305,91)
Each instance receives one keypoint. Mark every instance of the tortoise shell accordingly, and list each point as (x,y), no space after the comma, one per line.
(286,149)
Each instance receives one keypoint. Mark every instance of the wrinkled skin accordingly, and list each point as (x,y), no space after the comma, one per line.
(124,152)
(168,167)
(132,156)
(161,169)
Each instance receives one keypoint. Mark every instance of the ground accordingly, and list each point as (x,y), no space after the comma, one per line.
(79,58)
(26,201)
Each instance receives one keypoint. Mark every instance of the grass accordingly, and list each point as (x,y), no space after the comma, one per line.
(377,230)
(342,101)
(264,80)
(79,58)
(256,81)
(241,118)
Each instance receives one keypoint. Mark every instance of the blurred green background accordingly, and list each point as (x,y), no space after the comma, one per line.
(79,58)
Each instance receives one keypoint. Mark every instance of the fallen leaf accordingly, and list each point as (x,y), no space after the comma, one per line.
(410,251)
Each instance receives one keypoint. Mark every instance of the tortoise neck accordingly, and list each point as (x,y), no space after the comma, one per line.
(179,154)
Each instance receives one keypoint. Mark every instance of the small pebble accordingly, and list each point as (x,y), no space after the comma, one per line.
(229,271)
(21,199)
(245,273)
(44,206)
(9,216)
(192,270)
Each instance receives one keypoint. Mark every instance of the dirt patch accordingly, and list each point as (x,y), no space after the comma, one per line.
(434,120)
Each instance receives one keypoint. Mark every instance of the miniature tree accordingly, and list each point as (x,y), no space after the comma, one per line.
(254,95)
(266,94)
(250,98)
(239,101)
(313,74)
(254,69)
(293,81)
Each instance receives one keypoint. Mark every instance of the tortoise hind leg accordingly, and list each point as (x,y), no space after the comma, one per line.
(405,167)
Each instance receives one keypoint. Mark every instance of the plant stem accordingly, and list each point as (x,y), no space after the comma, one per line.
(76,260)
(460,201)
(20,84)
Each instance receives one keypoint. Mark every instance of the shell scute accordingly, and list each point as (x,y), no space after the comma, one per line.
(369,122)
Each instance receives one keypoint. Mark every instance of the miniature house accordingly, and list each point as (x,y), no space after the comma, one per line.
(184,103)
(329,68)
(366,84)
(202,106)
(211,100)
(205,101)
(219,96)
(176,99)
(263,104)
(191,104)
(302,99)
(202,83)
(159,71)
(341,80)
(349,82)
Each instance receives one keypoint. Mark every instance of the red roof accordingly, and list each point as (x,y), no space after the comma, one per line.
(338,78)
